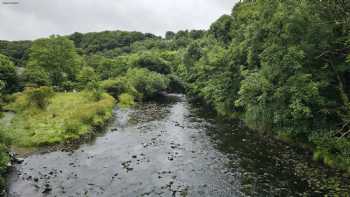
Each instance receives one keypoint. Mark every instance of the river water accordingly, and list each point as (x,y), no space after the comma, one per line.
(172,148)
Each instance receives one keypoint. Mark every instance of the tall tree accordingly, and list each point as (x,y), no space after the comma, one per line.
(58,56)
(8,74)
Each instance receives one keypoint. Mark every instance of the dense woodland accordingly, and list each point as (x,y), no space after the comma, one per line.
(282,67)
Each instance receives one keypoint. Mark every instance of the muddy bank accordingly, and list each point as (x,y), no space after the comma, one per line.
(170,148)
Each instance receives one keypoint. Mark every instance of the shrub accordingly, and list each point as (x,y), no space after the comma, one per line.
(176,85)
(17,102)
(56,55)
(126,100)
(146,82)
(87,75)
(36,76)
(96,90)
(332,151)
(39,97)
(8,73)
(152,62)
(68,86)
(118,86)
(4,159)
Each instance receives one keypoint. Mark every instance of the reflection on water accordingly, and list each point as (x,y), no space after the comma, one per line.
(171,148)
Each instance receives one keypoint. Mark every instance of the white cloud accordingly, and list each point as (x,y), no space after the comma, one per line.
(31,19)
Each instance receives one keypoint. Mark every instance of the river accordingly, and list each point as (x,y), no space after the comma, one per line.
(172,148)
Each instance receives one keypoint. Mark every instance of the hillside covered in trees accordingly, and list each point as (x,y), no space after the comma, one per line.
(63,87)
(282,67)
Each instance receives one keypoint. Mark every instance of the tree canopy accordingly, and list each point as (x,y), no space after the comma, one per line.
(8,74)
(57,56)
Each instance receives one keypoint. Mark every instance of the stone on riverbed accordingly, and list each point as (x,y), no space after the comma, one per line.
(18,160)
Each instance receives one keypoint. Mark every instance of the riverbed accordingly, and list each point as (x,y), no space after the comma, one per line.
(174,148)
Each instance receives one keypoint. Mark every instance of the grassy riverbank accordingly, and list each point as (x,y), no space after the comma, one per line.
(67,116)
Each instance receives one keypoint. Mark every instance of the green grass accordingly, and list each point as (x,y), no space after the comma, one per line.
(67,116)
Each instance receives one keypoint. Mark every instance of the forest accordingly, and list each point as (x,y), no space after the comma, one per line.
(281,67)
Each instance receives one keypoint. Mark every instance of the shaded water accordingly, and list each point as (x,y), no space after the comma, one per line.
(174,149)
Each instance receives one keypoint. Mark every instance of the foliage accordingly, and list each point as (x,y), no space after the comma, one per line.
(95,89)
(39,97)
(221,29)
(146,82)
(67,116)
(36,76)
(8,74)
(118,86)
(333,152)
(87,75)
(4,158)
(107,68)
(169,35)
(57,56)
(152,62)
(176,85)
(17,51)
(281,66)
(108,40)
(126,100)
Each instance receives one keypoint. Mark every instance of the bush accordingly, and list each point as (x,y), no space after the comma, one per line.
(118,86)
(126,100)
(57,56)
(176,85)
(4,159)
(68,86)
(86,75)
(107,68)
(146,82)
(36,76)
(39,97)
(332,151)
(8,73)
(96,90)
(152,62)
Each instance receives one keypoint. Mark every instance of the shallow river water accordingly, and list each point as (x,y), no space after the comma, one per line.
(172,148)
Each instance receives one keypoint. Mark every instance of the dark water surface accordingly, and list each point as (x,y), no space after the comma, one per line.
(175,149)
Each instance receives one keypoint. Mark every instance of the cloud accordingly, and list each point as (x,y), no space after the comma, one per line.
(31,19)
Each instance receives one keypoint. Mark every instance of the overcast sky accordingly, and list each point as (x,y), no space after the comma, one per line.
(31,19)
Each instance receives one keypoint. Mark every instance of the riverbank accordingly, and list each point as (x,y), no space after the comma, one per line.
(324,149)
(171,148)
(67,116)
